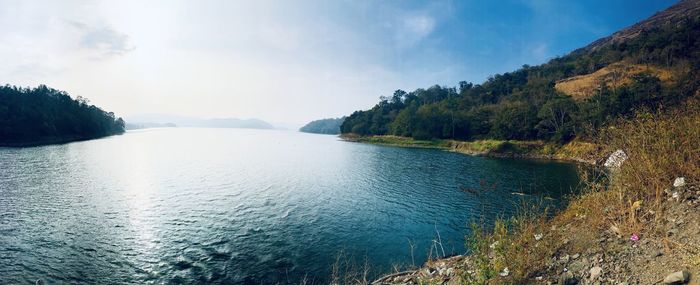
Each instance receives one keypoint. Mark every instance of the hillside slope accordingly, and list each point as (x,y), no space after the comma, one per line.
(683,10)
(654,63)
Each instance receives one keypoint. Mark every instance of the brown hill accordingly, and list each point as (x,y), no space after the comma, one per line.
(614,75)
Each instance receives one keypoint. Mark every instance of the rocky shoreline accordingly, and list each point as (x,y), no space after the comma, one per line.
(670,257)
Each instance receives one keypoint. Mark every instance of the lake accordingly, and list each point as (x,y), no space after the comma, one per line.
(187,205)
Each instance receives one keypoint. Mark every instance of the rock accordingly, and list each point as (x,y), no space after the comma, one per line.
(567,278)
(616,159)
(595,272)
(538,237)
(680,277)
(575,256)
(679,182)
(505,272)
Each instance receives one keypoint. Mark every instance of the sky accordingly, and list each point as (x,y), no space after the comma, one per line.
(286,62)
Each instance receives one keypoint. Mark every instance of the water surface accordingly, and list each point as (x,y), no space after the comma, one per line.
(243,206)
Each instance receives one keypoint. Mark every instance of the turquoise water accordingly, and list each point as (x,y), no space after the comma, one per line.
(235,206)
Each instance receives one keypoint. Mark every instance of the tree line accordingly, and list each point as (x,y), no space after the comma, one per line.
(42,114)
(329,126)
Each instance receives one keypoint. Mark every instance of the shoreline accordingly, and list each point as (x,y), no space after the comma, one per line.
(53,141)
(574,151)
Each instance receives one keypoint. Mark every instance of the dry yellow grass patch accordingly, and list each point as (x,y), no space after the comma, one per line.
(580,151)
(614,75)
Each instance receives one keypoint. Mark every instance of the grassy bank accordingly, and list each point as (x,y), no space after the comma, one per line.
(573,151)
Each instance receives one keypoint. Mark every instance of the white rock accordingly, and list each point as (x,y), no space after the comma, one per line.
(595,272)
(505,272)
(538,236)
(679,182)
(616,159)
(680,277)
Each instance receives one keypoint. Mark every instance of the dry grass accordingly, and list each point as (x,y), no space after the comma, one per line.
(627,201)
(580,150)
(614,75)
(346,271)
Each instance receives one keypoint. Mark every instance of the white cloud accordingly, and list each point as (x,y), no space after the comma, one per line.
(413,29)
(104,40)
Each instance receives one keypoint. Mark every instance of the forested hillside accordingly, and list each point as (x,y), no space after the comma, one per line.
(652,64)
(324,126)
(32,116)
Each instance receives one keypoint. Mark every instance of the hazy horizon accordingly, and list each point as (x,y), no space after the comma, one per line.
(284,62)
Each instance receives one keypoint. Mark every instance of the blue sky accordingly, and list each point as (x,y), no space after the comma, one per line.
(285,61)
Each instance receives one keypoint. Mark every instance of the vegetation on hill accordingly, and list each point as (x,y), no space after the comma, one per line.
(41,115)
(662,63)
(329,126)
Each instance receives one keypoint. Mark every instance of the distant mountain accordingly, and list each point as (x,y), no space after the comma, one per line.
(324,126)
(183,121)
(137,126)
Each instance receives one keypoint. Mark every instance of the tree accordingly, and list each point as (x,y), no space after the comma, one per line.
(514,121)
(556,118)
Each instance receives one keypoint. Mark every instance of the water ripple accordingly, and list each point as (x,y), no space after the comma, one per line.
(241,206)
